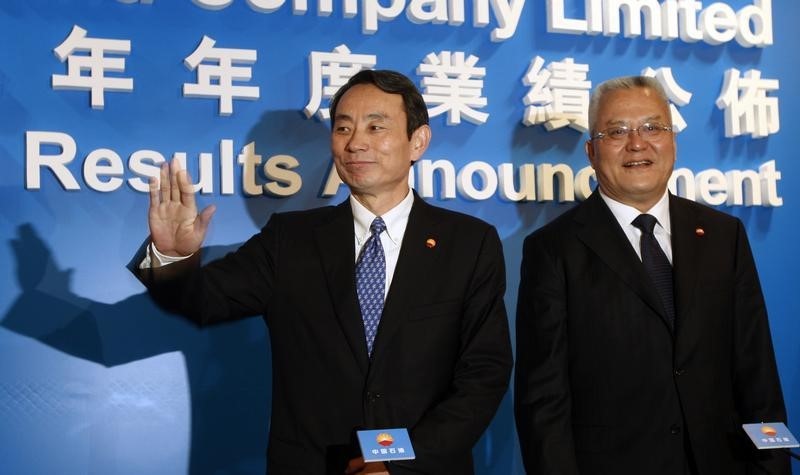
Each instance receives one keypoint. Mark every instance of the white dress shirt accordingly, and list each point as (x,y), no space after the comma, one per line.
(626,214)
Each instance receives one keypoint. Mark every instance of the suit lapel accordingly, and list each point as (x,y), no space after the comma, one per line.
(685,257)
(415,259)
(600,231)
(335,244)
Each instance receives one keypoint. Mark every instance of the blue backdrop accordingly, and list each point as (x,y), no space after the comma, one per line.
(95,379)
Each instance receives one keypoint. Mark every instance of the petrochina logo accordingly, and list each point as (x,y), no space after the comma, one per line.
(384,439)
(769,431)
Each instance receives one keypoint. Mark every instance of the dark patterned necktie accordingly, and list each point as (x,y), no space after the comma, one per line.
(656,263)
(371,280)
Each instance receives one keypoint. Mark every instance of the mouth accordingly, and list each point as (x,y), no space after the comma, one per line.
(637,163)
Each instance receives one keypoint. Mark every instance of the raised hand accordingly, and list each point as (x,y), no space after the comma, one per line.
(176,228)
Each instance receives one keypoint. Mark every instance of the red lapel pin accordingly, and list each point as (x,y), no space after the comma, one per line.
(430,242)
(700,232)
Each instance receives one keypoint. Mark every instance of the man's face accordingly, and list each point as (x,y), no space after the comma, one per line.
(632,171)
(370,144)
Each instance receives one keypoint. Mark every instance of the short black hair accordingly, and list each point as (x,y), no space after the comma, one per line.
(390,82)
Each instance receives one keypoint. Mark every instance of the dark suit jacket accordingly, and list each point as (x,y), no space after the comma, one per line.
(604,387)
(442,356)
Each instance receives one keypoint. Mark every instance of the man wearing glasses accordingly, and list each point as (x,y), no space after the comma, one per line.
(642,334)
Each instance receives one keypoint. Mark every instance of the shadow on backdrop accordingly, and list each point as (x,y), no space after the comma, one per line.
(223,364)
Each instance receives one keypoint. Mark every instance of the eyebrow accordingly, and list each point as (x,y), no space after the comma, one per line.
(378,116)
(370,116)
(652,118)
(341,117)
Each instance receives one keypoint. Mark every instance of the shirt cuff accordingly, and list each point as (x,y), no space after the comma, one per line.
(153,258)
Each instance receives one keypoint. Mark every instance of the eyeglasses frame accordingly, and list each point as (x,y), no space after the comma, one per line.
(658,126)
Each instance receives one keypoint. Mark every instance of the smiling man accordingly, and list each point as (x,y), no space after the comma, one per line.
(642,334)
(383,311)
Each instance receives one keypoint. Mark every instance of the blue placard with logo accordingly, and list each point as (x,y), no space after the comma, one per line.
(384,445)
(771,435)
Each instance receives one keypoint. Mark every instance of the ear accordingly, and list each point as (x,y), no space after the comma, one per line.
(419,142)
(588,147)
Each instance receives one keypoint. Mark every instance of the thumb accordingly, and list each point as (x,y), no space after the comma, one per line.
(204,218)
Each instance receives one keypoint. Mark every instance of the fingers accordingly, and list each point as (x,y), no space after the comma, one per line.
(175,170)
(354,466)
(174,186)
(376,468)
(164,183)
(156,186)
(155,198)
(183,190)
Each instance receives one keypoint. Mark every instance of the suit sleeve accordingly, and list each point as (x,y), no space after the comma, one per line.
(236,286)
(757,388)
(542,402)
(480,376)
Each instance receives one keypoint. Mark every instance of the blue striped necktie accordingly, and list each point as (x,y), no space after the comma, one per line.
(371,281)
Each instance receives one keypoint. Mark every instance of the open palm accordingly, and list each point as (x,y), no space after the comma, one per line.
(176,228)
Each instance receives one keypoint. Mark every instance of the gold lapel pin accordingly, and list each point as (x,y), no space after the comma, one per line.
(430,242)
(700,232)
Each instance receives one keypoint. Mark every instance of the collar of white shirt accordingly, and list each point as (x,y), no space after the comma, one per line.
(396,220)
(626,214)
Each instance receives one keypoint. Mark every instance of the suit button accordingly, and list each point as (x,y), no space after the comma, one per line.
(373,397)
(680,372)
(675,429)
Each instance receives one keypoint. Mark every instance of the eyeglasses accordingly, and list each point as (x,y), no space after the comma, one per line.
(646,131)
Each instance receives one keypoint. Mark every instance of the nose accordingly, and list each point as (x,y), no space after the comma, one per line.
(635,140)
(357,142)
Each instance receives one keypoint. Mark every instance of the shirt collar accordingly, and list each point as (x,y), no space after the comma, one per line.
(626,214)
(395,219)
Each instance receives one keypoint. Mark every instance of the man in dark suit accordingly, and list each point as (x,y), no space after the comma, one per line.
(641,352)
(428,351)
